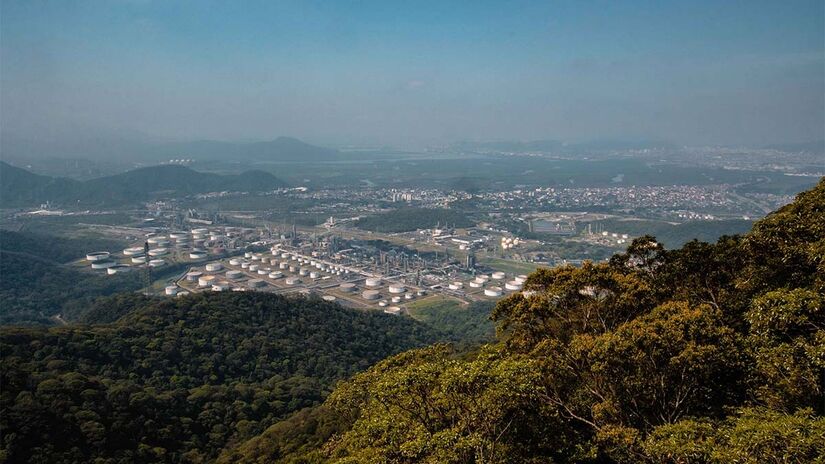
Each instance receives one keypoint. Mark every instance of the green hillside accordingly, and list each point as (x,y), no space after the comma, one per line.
(180,379)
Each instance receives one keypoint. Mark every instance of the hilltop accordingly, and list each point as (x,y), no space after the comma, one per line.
(19,187)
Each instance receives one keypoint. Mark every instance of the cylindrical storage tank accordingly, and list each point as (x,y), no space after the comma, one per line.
(498,275)
(214,267)
(216,237)
(347,287)
(256,283)
(221,286)
(313,275)
(245,265)
(182,293)
(283,266)
(198,242)
(133,251)
(138,259)
(303,272)
(521,279)
(97,256)
(273,262)
(373,282)
(394,310)
(154,240)
(475,284)
(397,288)
(102,264)
(481,279)
(293,281)
(196,254)
(396,299)
(256,257)
(293,269)
(285,255)
(178,235)
(235,261)
(328,298)
(117,268)
(370,295)
(262,271)
(512,285)
(206,281)
(408,296)
(199,237)
(294,258)
(276,275)
(193,276)
(234,275)
(202,231)
(492,291)
(253,267)
(171,290)
(158,252)
(247,255)
(156,263)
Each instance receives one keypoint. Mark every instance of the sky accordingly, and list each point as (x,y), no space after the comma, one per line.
(415,72)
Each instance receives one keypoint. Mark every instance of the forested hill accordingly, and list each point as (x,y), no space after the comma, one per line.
(177,380)
(19,187)
(711,353)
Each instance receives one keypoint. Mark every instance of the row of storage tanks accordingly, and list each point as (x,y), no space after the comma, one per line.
(101,260)
(483,281)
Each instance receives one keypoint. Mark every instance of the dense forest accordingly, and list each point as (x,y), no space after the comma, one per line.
(177,380)
(711,353)
(409,219)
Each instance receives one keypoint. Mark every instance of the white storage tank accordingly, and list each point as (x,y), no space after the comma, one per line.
(492,291)
(256,283)
(234,275)
(328,298)
(221,286)
(133,251)
(158,252)
(253,267)
(102,264)
(397,288)
(214,267)
(156,263)
(235,261)
(373,282)
(193,276)
(475,284)
(394,310)
(206,281)
(245,265)
(118,268)
(313,275)
(283,266)
(293,281)
(195,254)
(498,275)
(370,295)
(138,259)
(97,256)
(396,299)
(303,272)
(276,275)
(262,271)
(521,278)
(171,290)
(347,287)
(512,285)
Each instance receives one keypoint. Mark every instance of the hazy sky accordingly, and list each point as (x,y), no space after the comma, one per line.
(728,72)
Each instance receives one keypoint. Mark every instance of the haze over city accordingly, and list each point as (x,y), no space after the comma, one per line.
(413,74)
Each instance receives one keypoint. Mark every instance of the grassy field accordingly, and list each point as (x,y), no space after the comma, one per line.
(508,266)
(418,309)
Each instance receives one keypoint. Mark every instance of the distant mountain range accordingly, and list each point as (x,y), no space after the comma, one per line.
(558,146)
(19,187)
(280,149)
